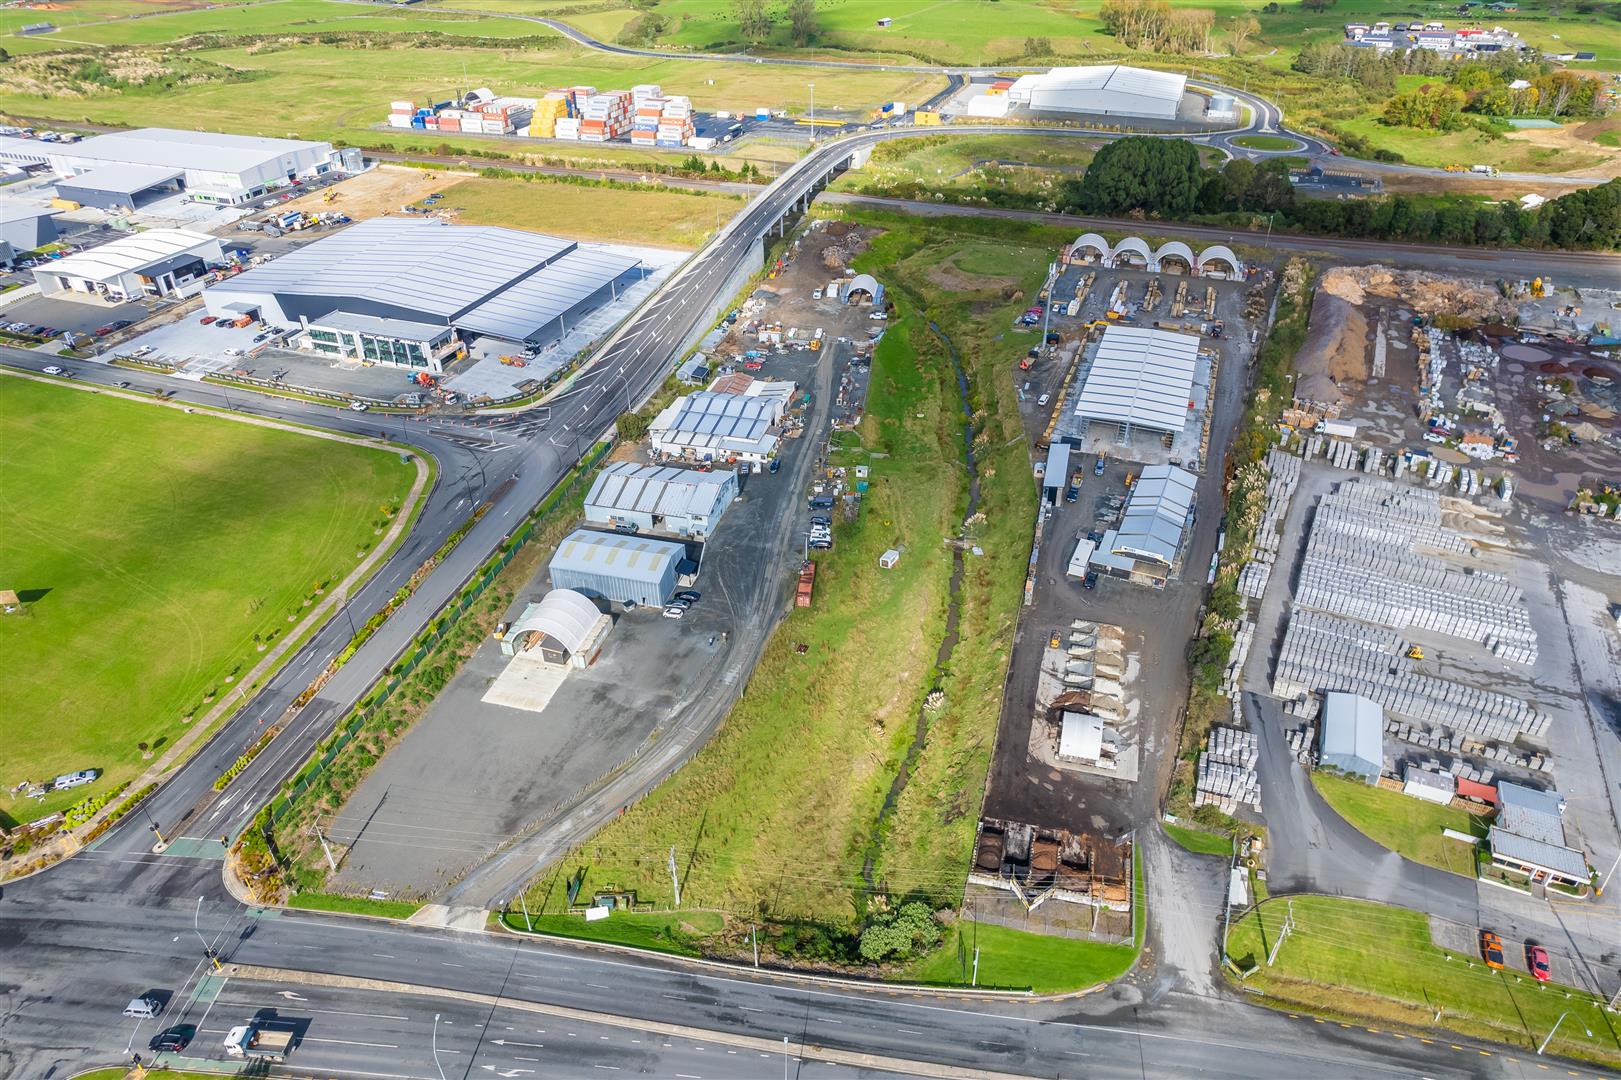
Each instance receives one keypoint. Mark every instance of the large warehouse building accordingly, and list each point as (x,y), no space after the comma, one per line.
(392,290)
(624,569)
(1145,546)
(209,166)
(711,426)
(647,497)
(1100,90)
(1140,378)
(158,262)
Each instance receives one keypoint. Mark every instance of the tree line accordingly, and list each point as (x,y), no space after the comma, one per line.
(1164,178)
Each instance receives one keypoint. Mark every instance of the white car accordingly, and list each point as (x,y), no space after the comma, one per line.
(817,295)
(357,406)
(878,316)
(674,612)
(52,369)
(233,352)
(1043,399)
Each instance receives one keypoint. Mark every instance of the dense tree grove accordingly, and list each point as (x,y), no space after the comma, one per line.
(1163,178)
(1156,25)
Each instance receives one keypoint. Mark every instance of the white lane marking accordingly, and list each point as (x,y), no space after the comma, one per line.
(348,1042)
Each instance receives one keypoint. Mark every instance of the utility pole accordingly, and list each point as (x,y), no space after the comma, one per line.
(1283,935)
(1601,885)
(330,861)
(754,939)
(675,880)
(1555,1028)
(813,113)
(527,921)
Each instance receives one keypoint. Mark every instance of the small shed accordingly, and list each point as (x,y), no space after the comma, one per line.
(885,23)
(1435,787)
(888,559)
(1353,735)
(1056,474)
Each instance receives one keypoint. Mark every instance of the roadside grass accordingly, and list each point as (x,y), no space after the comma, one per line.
(1198,841)
(1409,827)
(353,905)
(163,549)
(1377,964)
(679,933)
(124,1074)
(1265,142)
(1017,960)
(647,217)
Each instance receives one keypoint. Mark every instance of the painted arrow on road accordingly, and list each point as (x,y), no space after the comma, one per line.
(506,1072)
(511,1042)
(290,996)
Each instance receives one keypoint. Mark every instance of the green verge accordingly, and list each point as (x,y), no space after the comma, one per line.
(1409,827)
(184,544)
(353,905)
(1017,960)
(1198,841)
(678,933)
(1378,965)
(1265,142)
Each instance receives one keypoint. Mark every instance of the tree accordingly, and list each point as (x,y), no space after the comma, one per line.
(753,20)
(802,28)
(1158,176)
(905,931)
(1430,107)
(1240,30)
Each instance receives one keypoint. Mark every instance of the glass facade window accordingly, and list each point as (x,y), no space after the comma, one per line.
(325,336)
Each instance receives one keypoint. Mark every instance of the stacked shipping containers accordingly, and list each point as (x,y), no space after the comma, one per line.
(548,111)
(577,112)
(649,104)
(606,116)
(675,122)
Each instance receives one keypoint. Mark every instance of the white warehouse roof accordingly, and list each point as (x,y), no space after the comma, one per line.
(652,489)
(564,615)
(175,149)
(1140,377)
(633,558)
(1155,514)
(1101,89)
(129,254)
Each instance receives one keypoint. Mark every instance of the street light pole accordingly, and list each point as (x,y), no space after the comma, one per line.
(813,113)
(1555,1028)
(198,930)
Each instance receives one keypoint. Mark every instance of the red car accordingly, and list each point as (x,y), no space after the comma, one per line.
(206,319)
(1536,958)
(752,365)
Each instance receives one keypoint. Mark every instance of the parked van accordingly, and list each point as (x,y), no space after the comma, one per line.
(145,1008)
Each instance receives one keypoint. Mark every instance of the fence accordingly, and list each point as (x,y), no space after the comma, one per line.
(425,643)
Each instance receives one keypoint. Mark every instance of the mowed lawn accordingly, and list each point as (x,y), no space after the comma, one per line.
(156,545)
(1409,827)
(645,217)
(1379,965)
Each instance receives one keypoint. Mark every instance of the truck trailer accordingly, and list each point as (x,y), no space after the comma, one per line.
(260,1041)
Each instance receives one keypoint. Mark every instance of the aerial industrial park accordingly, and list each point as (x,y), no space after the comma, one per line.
(709,539)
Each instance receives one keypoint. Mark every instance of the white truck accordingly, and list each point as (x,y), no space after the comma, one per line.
(260,1041)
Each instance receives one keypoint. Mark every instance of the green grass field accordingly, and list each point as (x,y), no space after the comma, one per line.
(673,932)
(162,549)
(1437,149)
(1378,965)
(1410,827)
(353,905)
(1016,960)
(1265,142)
(648,217)
(1198,841)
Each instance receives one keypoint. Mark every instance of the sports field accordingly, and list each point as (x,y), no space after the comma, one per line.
(157,550)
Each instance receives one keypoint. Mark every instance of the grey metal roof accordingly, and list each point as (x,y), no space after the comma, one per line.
(371,324)
(564,615)
(1530,813)
(634,558)
(1525,849)
(1156,514)
(1142,377)
(425,266)
(525,308)
(203,150)
(1057,470)
(1353,726)
(121,179)
(720,421)
(16,211)
(652,489)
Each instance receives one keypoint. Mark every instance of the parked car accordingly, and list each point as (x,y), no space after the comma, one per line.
(173,1040)
(1097,466)
(1491,949)
(206,319)
(122,384)
(1090,581)
(1043,399)
(119,324)
(52,369)
(752,365)
(357,406)
(233,352)
(691,596)
(1536,959)
(674,612)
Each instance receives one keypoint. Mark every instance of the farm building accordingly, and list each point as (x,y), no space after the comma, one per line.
(1140,379)
(1353,735)
(158,262)
(404,283)
(208,166)
(613,566)
(1100,90)
(647,497)
(710,426)
(565,628)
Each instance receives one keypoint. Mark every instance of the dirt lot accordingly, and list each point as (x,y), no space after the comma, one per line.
(379,192)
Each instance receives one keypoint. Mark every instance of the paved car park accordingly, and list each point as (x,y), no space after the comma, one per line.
(76,316)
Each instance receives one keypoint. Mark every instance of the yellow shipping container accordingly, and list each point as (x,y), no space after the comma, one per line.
(63,204)
(926,119)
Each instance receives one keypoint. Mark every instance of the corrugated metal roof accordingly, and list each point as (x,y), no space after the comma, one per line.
(564,615)
(121,179)
(1530,813)
(720,421)
(1049,88)
(527,307)
(1142,377)
(206,151)
(635,558)
(1156,514)
(653,489)
(129,253)
(1353,726)
(1057,470)
(1525,849)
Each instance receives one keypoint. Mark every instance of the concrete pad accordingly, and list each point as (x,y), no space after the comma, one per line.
(449,918)
(528,683)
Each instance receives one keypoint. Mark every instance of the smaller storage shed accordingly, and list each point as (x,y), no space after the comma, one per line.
(565,627)
(617,567)
(1353,735)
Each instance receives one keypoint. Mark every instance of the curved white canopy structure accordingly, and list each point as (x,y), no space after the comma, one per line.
(1220,253)
(1175,249)
(563,615)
